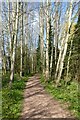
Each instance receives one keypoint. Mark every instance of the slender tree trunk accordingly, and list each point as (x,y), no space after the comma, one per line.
(41,36)
(10,34)
(26,40)
(21,62)
(12,42)
(47,41)
(32,64)
(3,57)
(56,28)
(14,48)
(43,62)
(51,62)
(32,54)
(69,59)
(65,46)
(61,49)
(59,59)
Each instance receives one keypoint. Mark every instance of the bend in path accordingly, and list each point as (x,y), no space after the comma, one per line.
(39,104)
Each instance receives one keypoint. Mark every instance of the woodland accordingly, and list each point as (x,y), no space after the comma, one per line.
(42,39)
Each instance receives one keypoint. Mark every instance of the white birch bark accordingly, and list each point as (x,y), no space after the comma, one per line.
(21,64)
(12,35)
(59,59)
(62,38)
(25,37)
(9,29)
(47,41)
(3,56)
(65,46)
(69,58)
(14,48)
(32,64)
(51,62)
(56,31)
(44,62)
(41,36)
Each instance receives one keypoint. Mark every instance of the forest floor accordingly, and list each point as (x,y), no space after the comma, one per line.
(39,104)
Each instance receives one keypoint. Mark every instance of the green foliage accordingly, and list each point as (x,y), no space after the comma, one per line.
(26,60)
(69,94)
(5,80)
(12,98)
(50,41)
(75,56)
(38,56)
(42,79)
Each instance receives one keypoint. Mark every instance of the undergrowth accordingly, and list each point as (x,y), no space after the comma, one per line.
(12,98)
(66,94)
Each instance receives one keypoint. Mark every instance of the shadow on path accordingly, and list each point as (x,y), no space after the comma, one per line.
(39,104)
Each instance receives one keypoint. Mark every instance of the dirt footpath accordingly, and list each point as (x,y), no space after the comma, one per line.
(39,104)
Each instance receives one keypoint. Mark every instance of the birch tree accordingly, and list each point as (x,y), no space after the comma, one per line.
(25,39)
(47,39)
(3,55)
(65,44)
(41,36)
(21,63)
(14,46)
(69,57)
(56,18)
(9,30)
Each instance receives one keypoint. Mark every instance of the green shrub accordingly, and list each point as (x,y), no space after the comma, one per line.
(12,98)
(68,93)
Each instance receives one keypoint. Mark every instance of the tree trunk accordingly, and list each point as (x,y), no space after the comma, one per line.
(41,36)
(44,56)
(10,35)
(51,62)
(65,46)
(3,56)
(25,40)
(21,62)
(47,41)
(32,64)
(69,58)
(56,31)
(14,48)
(59,59)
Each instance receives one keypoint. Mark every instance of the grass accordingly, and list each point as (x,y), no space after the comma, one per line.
(12,98)
(69,94)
